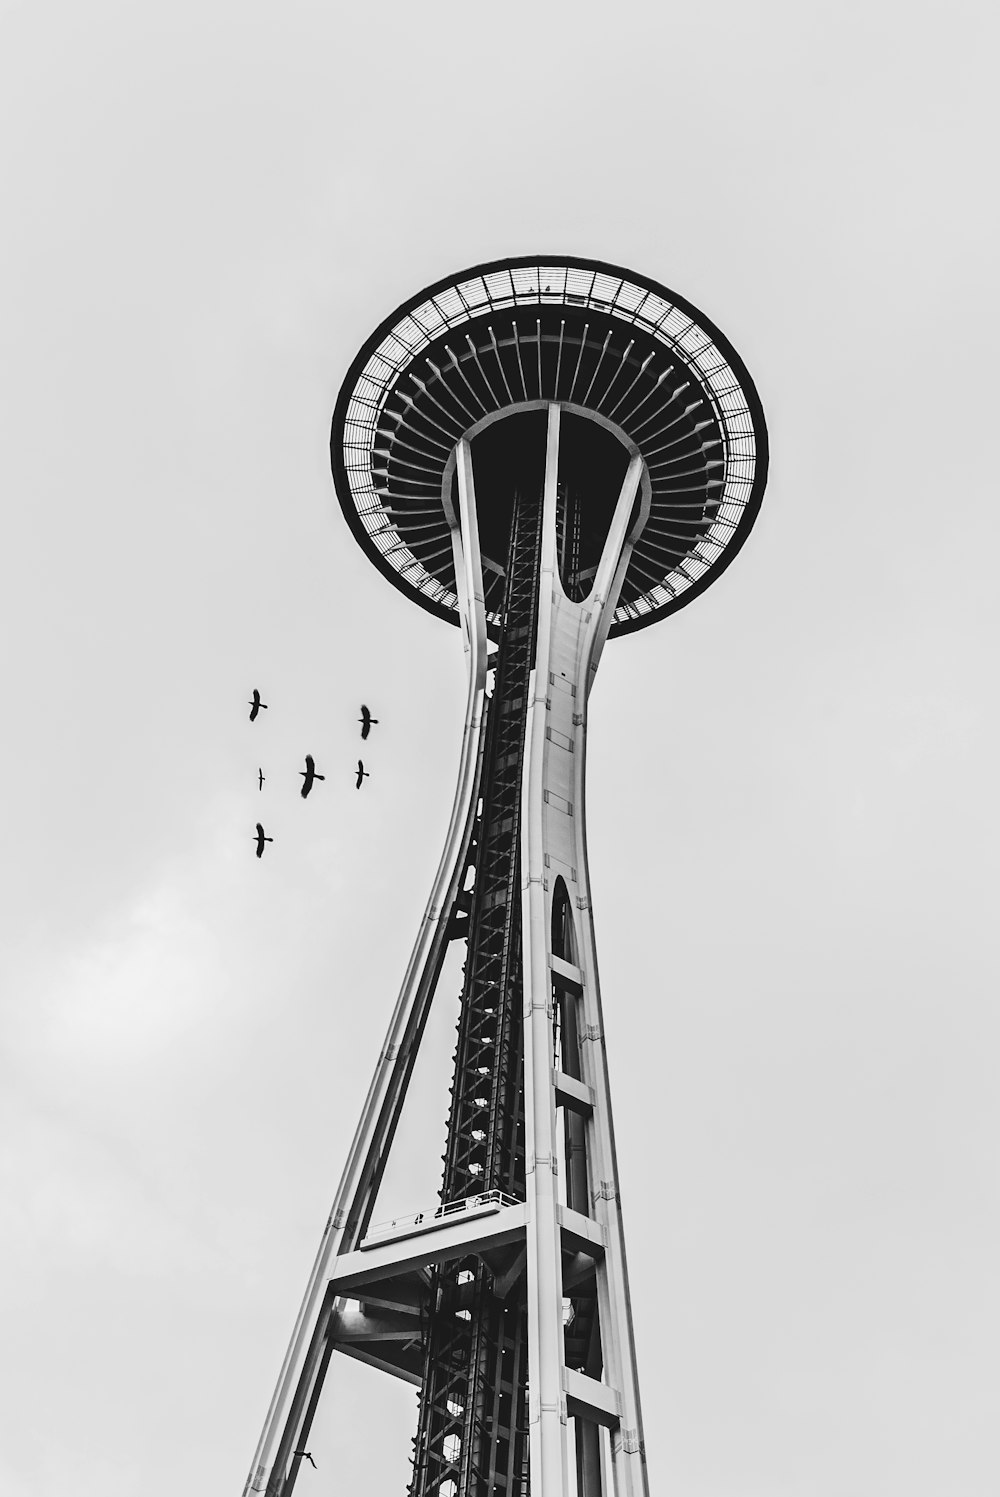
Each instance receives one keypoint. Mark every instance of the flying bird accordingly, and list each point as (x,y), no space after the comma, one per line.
(261,777)
(309,774)
(362,774)
(366,720)
(305,1456)
(256,705)
(261,839)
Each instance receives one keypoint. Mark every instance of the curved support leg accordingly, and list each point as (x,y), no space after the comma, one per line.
(274,1467)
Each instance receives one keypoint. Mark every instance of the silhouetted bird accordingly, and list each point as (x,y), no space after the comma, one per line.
(256,705)
(261,777)
(362,774)
(309,774)
(261,839)
(305,1456)
(366,720)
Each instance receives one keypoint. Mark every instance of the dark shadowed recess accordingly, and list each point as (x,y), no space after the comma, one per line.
(508,461)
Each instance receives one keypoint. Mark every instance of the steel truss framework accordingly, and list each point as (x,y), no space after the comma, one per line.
(472,1429)
(507,1305)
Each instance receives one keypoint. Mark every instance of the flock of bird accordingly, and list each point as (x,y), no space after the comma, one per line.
(309,775)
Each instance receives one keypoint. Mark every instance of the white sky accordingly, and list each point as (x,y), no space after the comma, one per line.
(792,804)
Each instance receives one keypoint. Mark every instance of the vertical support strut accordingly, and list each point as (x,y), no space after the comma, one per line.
(589,1377)
(547,1416)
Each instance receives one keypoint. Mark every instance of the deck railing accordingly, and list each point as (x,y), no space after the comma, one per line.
(437,1216)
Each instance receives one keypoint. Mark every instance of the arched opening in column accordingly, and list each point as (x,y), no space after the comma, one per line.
(563,926)
(567,1057)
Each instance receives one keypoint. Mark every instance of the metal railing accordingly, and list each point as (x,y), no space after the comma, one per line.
(489,1201)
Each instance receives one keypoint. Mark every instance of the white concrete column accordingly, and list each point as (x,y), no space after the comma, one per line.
(569,641)
(547,1433)
(617,1336)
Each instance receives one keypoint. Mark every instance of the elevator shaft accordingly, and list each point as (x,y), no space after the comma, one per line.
(472,1429)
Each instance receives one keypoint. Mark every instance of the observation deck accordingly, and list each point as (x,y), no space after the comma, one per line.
(636,370)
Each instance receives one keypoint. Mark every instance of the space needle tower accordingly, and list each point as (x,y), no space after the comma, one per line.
(548,453)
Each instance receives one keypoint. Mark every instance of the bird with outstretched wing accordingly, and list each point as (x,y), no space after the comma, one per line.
(362,774)
(261,839)
(309,775)
(366,721)
(256,705)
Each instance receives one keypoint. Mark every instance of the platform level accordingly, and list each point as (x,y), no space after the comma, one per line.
(382,1288)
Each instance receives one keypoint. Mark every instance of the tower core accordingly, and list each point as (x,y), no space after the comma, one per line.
(547,452)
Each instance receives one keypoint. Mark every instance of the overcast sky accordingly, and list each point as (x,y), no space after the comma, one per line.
(792,797)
